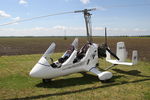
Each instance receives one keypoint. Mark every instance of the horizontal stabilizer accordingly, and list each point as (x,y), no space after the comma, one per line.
(122,54)
(120,63)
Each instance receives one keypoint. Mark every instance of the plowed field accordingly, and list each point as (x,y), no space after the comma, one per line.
(21,46)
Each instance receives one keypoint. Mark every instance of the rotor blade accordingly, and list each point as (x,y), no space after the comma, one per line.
(79,11)
(121,6)
(38,17)
(114,55)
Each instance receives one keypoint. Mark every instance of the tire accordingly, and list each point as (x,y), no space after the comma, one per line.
(46,80)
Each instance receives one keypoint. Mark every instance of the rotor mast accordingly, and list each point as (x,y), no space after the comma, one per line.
(87,17)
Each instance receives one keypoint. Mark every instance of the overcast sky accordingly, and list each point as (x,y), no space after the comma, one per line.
(121,17)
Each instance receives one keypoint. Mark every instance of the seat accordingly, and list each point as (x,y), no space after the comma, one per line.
(81,53)
(64,57)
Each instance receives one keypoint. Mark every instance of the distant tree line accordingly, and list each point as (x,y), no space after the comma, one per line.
(65,37)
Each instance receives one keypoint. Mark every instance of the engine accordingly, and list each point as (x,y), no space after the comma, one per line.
(101,51)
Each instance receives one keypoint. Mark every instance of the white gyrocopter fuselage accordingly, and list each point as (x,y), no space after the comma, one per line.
(73,61)
(77,61)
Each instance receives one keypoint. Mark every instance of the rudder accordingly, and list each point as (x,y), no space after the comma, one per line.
(134,57)
(121,51)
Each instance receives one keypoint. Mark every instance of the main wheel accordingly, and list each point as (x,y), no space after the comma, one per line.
(46,80)
(105,75)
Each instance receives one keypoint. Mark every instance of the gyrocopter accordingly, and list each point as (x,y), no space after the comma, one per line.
(83,60)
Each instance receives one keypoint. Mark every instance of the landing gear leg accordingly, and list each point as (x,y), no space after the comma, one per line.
(46,80)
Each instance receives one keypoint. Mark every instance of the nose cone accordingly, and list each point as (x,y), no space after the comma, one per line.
(38,71)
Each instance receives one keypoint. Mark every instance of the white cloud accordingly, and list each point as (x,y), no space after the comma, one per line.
(98,28)
(4,14)
(23,2)
(60,27)
(60,30)
(85,1)
(139,30)
(16,18)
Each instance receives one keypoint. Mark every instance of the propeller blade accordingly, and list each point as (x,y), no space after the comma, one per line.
(106,46)
(113,54)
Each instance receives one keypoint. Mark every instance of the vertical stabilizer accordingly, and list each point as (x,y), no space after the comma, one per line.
(121,51)
(134,57)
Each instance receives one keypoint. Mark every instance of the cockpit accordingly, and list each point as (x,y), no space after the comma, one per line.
(66,55)
(73,47)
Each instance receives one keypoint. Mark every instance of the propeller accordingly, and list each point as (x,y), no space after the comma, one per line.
(106,46)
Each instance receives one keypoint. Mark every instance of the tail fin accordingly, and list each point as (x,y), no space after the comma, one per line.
(134,57)
(121,51)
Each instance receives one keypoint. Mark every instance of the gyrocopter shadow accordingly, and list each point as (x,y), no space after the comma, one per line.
(85,79)
(130,72)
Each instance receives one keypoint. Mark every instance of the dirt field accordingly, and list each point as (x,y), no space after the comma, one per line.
(20,46)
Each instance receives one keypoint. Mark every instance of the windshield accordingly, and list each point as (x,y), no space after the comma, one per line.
(50,50)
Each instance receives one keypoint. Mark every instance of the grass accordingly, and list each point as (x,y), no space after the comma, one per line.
(127,82)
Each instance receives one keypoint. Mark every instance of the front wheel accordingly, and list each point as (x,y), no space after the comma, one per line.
(46,80)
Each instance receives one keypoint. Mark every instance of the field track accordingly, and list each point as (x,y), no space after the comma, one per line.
(21,46)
